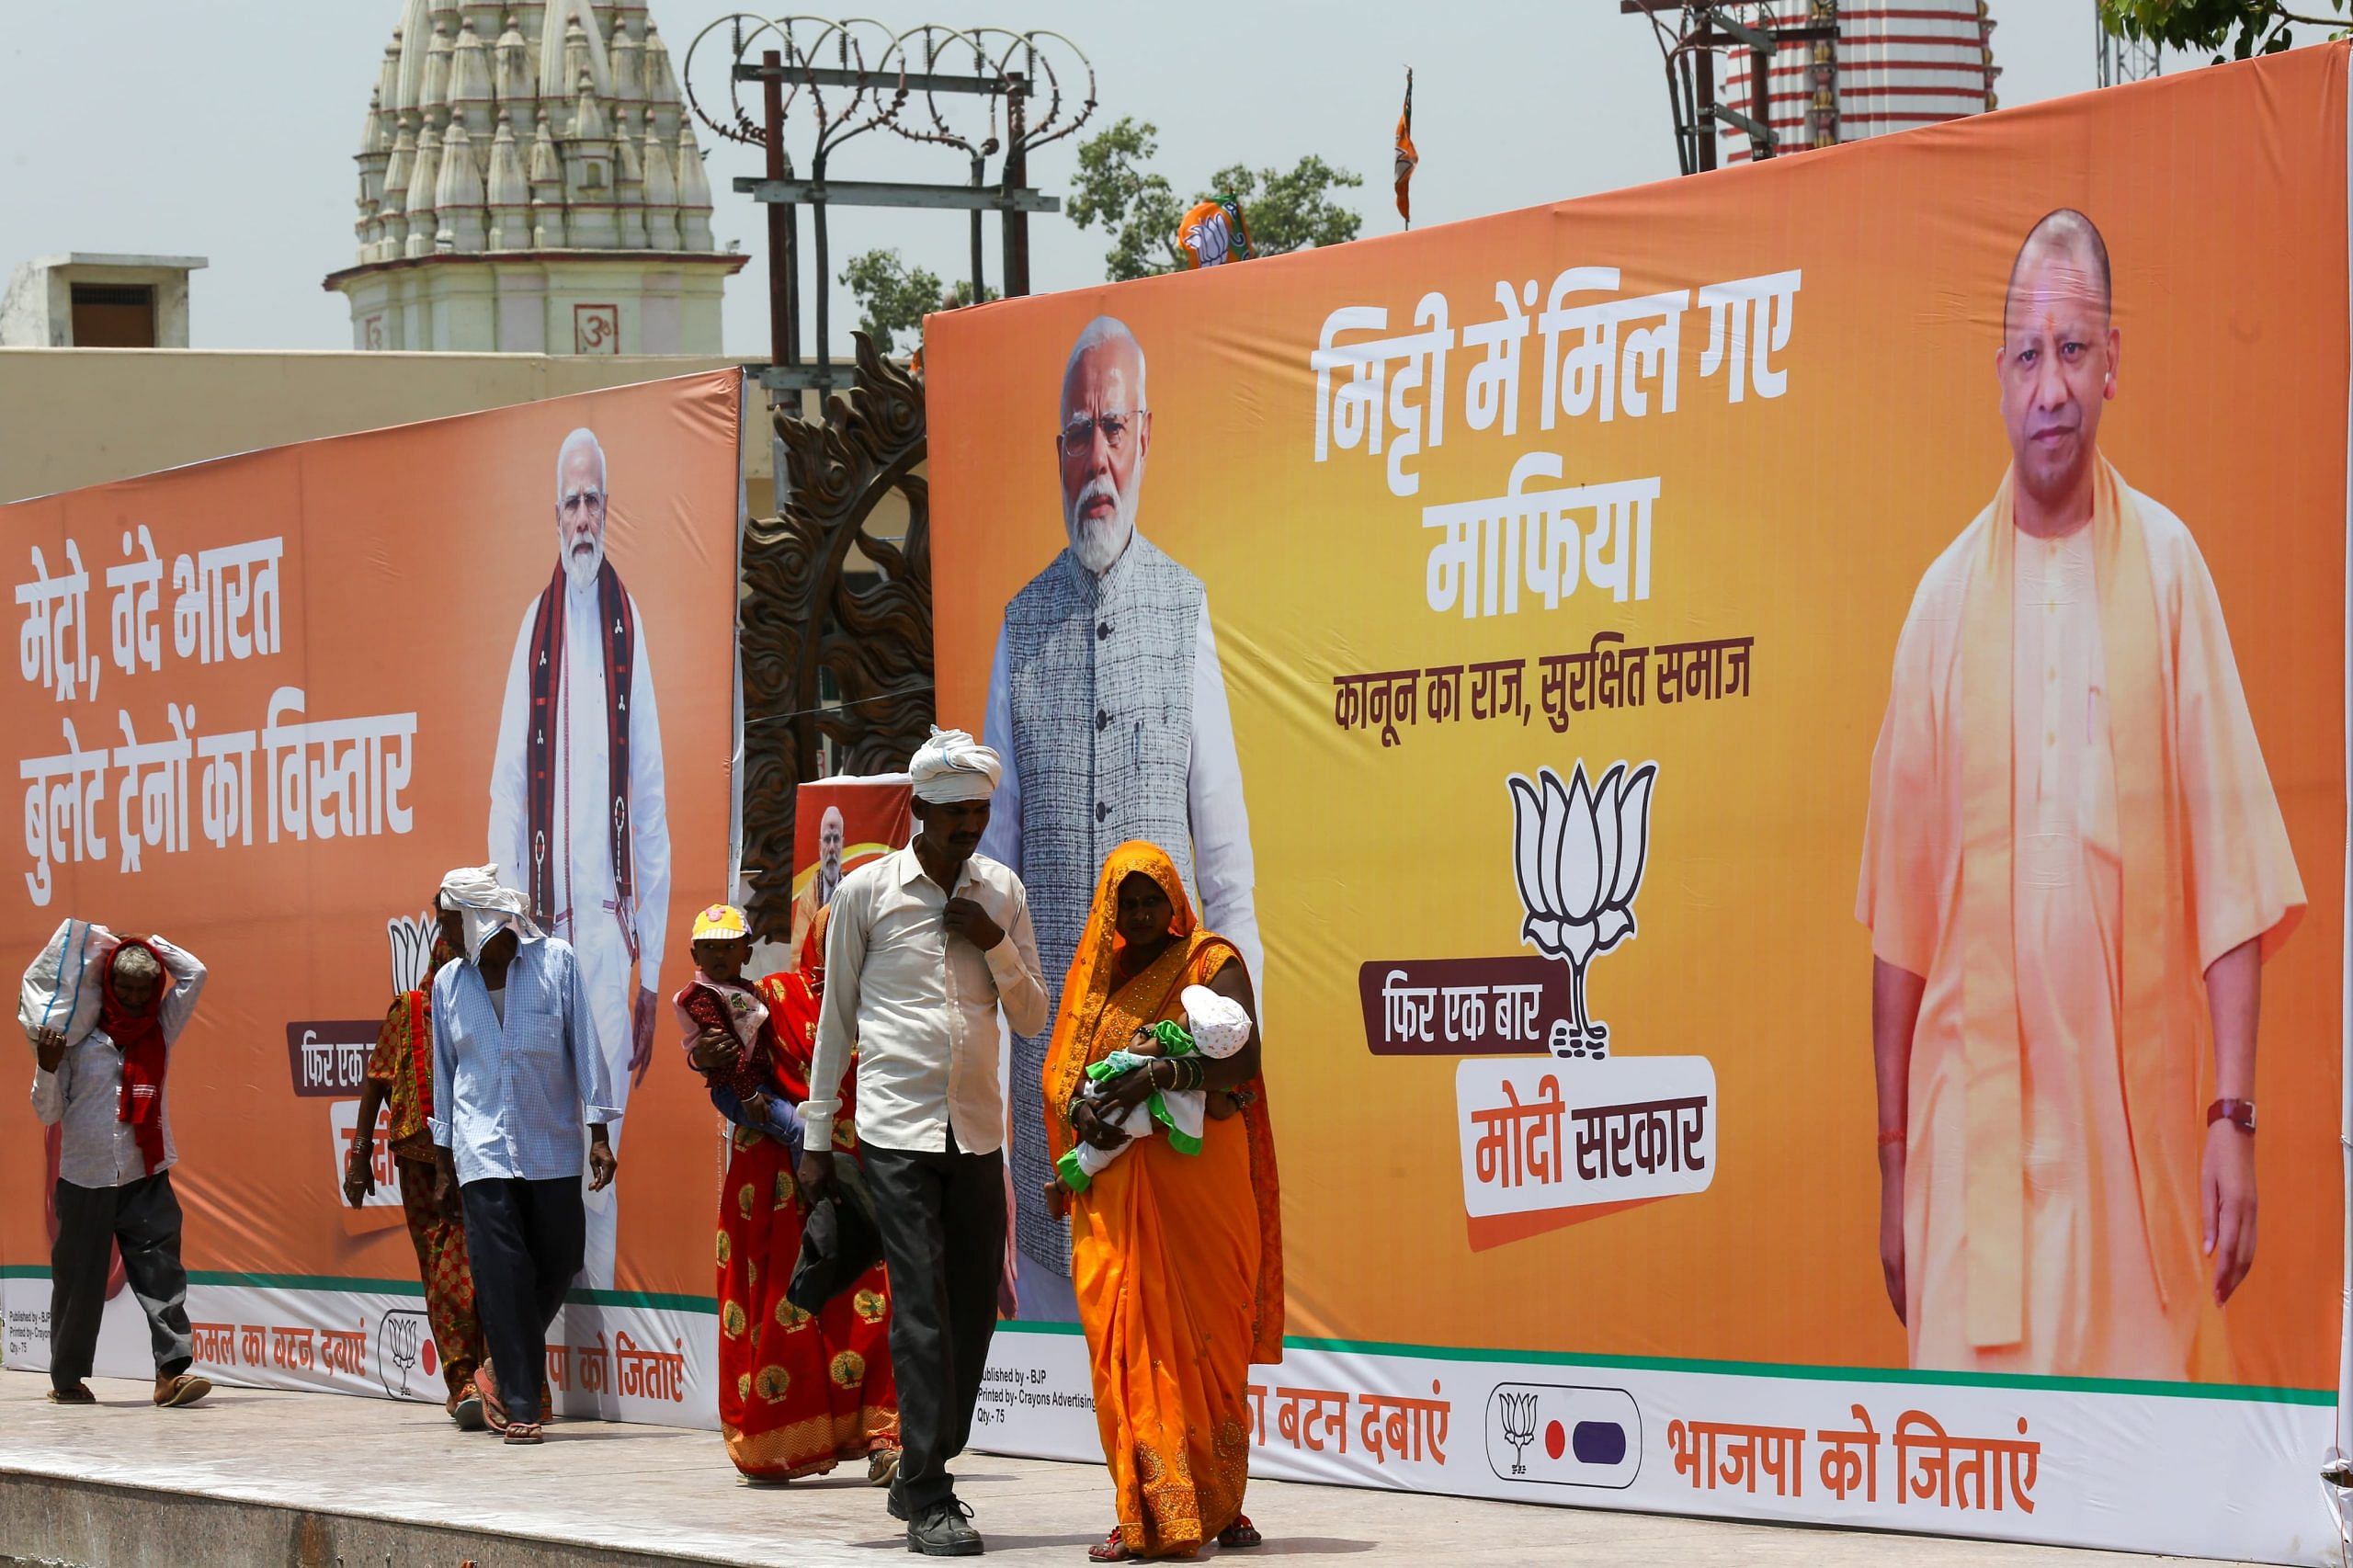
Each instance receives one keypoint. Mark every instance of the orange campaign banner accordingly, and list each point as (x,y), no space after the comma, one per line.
(263,704)
(1774,744)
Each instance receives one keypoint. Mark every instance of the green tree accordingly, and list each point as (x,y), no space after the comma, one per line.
(893,297)
(1287,209)
(2244,26)
(1134,204)
(1293,210)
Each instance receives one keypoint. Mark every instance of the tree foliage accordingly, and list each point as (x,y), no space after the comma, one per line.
(2244,28)
(1116,186)
(893,297)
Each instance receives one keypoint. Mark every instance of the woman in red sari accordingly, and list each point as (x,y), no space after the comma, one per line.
(797,1394)
(1176,1258)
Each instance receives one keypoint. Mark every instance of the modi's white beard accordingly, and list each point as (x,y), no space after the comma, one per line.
(580,570)
(1097,542)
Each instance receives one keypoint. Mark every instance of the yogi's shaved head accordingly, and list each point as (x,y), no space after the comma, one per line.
(2058,364)
(2064,235)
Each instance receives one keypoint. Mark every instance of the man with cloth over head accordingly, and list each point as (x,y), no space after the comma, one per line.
(516,1071)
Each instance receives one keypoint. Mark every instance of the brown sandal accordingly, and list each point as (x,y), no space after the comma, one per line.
(1113,1550)
(1240,1536)
(78,1394)
(182,1390)
(521,1432)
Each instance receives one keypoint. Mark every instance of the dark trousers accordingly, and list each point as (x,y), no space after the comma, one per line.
(524,1240)
(942,1219)
(144,1219)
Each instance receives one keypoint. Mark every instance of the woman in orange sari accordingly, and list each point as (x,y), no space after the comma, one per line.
(797,1394)
(1176,1258)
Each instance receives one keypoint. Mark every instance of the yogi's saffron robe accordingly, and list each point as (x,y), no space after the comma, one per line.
(2070,820)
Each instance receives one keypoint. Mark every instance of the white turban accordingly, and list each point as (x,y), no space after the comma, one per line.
(951,765)
(486,905)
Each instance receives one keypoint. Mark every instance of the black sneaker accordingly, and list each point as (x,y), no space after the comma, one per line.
(942,1532)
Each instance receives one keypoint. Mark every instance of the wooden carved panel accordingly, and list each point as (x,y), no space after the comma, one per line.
(807,607)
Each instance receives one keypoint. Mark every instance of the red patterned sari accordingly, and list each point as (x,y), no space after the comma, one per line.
(797,1394)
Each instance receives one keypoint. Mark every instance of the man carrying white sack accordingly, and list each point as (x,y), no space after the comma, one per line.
(103,1013)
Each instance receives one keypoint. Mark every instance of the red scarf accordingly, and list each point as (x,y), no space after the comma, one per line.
(140,1036)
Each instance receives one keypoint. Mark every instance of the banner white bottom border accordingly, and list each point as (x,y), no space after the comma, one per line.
(2195,1474)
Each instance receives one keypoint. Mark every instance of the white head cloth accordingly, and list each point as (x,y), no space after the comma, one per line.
(951,765)
(487,906)
(1220,1026)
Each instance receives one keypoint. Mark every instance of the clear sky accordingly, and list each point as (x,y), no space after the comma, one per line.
(168,125)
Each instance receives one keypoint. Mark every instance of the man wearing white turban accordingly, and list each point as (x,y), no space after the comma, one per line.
(925,945)
(517,1072)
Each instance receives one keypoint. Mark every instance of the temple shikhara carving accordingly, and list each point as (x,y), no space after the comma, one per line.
(529,183)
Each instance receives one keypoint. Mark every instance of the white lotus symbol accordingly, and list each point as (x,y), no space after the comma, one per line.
(1579,853)
(412,937)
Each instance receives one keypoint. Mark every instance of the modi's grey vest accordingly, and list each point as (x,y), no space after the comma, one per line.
(1099,672)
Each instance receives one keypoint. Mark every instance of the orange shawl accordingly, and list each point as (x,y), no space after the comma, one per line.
(1175,1306)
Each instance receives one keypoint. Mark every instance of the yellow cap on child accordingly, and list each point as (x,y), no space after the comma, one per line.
(720,922)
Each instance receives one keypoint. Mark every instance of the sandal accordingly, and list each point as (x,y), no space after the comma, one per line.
(521,1432)
(882,1466)
(469,1411)
(183,1390)
(1240,1536)
(1113,1550)
(78,1394)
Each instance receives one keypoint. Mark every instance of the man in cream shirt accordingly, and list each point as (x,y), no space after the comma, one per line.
(925,945)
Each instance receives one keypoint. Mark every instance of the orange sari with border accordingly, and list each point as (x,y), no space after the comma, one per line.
(1176,1259)
(797,1394)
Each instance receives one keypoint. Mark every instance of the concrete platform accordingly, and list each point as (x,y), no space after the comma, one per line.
(254,1479)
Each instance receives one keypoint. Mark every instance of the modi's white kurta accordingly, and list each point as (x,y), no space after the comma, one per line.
(587,911)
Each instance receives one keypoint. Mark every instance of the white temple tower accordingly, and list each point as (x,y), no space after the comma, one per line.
(529,184)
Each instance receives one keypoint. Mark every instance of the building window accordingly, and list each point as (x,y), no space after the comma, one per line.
(114,315)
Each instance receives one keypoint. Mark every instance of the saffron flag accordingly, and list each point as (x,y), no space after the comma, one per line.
(1406,157)
(1212,232)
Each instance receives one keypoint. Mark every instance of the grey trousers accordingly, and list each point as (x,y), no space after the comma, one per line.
(144,1218)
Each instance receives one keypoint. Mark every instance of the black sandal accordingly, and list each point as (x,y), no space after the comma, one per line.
(1240,1536)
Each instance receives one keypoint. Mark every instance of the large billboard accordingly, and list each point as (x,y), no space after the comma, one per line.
(261,706)
(1775,742)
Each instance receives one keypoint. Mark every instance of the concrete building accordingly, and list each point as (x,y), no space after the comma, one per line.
(71,419)
(529,184)
(81,300)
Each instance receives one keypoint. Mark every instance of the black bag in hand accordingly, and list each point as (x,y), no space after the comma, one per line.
(838,1242)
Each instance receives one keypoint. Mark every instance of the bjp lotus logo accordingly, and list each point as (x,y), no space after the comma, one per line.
(1578,851)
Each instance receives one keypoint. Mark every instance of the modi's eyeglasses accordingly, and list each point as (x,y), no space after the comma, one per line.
(1079,433)
(573,499)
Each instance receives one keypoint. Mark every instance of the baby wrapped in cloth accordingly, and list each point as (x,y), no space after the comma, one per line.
(1215,1026)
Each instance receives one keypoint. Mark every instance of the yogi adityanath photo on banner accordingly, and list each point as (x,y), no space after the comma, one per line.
(2074,871)
(577,821)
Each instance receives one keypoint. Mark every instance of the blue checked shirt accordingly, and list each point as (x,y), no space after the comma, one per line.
(512,1099)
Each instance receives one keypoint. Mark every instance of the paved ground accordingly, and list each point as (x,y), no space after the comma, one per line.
(317,1478)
